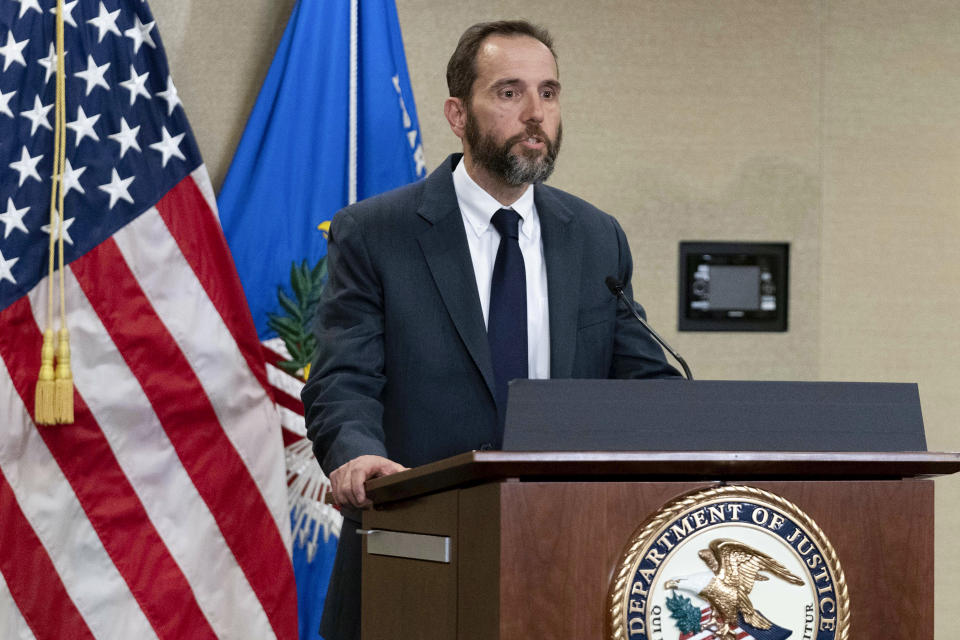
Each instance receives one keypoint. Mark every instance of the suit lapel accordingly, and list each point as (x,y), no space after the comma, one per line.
(444,246)
(562,253)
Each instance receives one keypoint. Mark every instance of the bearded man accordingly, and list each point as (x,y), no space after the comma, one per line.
(442,291)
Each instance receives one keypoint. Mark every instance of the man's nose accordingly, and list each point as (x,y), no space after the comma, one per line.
(533,108)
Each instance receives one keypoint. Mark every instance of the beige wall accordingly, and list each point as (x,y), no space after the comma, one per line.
(830,125)
(219,52)
(891,183)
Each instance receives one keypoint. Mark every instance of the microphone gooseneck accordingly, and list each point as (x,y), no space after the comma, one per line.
(616,288)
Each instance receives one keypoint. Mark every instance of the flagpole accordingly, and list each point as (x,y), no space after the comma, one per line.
(352,135)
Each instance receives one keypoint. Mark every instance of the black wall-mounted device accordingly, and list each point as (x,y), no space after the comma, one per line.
(733,286)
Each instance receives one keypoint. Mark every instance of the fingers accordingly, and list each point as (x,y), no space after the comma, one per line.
(342,485)
(337,484)
(387,467)
(346,482)
(357,494)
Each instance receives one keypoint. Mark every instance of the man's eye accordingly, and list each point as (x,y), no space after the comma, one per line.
(547,94)
(509,93)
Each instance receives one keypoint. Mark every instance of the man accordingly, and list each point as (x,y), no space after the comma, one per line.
(443,290)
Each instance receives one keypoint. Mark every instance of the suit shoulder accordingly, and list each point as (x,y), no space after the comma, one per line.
(583,211)
(387,207)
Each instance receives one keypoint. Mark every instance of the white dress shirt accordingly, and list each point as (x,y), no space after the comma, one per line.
(477,207)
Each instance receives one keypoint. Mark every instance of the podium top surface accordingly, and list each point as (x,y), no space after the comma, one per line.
(476,467)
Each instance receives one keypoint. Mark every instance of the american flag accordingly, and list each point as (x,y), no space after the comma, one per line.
(161,511)
(706,617)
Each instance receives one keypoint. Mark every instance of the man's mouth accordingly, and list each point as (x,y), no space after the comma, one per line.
(532,142)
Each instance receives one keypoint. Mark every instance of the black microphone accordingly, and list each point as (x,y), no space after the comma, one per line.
(616,288)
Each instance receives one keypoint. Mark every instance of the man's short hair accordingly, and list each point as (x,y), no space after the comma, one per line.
(462,67)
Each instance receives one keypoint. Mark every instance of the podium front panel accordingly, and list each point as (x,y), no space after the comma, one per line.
(533,559)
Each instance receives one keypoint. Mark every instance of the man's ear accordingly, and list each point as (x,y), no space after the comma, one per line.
(456,114)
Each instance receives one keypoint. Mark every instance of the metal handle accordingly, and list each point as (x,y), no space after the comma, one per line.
(400,544)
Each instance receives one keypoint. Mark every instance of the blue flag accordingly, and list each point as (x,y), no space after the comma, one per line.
(334,123)
(300,160)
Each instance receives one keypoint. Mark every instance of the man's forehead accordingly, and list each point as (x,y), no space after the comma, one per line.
(506,54)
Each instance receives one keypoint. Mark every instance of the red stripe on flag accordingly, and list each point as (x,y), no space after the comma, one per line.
(270,356)
(31,577)
(280,396)
(286,400)
(105,493)
(189,420)
(289,437)
(198,235)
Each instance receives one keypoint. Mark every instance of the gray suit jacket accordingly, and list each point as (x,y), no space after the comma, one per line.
(404,367)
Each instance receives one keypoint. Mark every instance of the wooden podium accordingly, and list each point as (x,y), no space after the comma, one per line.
(521,546)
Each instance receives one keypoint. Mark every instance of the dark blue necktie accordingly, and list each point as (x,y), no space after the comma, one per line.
(507,319)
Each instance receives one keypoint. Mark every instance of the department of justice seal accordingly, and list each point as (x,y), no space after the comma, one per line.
(728,563)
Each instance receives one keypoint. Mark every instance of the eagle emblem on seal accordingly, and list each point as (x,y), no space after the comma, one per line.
(734,569)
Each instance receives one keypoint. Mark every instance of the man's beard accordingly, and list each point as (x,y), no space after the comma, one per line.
(515,169)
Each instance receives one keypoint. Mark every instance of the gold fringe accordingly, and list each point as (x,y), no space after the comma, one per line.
(64,382)
(45,401)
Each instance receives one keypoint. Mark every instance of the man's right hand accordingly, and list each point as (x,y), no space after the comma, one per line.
(346,482)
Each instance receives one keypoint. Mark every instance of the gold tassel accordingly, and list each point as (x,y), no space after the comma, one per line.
(48,407)
(45,401)
(64,382)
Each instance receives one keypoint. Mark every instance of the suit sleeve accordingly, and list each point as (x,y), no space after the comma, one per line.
(342,398)
(635,353)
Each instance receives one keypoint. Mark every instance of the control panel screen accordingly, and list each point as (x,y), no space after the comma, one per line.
(733,286)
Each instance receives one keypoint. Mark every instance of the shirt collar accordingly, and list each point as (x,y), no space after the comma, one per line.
(478,206)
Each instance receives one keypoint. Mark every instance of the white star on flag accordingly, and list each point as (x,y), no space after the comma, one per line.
(136,85)
(94,74)
(126,137)
(27,166)
(168,146)
(170,95)
(5,266)
(13,51)
(5,102)
(106,21)
(66,230)
(67,12)
(117,188)
(12,218)
(140,33)
(28,4)
(83,126)
(50,62)
(38,115)
(71,179)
